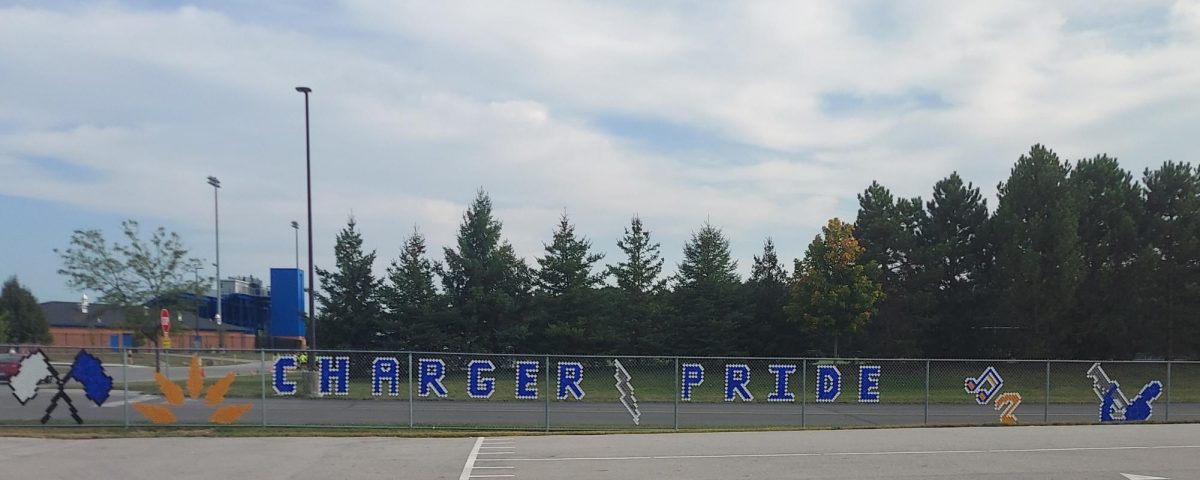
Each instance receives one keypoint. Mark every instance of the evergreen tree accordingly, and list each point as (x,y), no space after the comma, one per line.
(639,312)
(767,332)
(832,292)
(1038,261)
(1171,232)
(486,284)
(956,242)
(706,316)
(639,274)
(566,295)
(4,317)
(413,304)
(567,265)
(1110,204)
(889,230)
(351,314)
(26,322)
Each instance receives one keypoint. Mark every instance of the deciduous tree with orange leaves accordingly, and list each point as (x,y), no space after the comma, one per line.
(832,291)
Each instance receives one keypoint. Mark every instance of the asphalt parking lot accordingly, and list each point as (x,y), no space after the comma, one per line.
(1030,452)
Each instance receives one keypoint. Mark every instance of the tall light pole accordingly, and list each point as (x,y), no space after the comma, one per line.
(216,184)
(196,341)
(312,314)
(296,227)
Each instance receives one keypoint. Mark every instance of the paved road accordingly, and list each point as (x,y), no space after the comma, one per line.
(1035,453)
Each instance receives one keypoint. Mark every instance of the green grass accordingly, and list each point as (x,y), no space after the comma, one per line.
(899,383)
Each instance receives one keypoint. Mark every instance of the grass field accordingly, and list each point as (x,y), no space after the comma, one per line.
(900,382)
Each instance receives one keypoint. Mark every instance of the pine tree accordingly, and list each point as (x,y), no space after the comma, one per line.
(638,311)
(412,302)
(833,293)
(707,316)
(4,323)
(1111,206)
(566,294)
(956,242)
(567,265)
(639,274)
(26,322)
(889,230)
(767,331)
(1171,261)
(351,315)
(1038,262)
(486,284)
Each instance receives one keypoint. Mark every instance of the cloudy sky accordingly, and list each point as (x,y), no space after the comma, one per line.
(762,118)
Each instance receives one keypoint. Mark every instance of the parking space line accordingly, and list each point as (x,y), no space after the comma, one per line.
(481,443)
(466,471)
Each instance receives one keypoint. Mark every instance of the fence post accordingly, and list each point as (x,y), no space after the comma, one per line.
(262,372)
(546,375)
(1167,414)
(125,380)
(803,398)
(677,393)
(410,392)
(1046,410)
(927,392)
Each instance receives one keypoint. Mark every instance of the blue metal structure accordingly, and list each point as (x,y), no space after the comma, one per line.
(287,303)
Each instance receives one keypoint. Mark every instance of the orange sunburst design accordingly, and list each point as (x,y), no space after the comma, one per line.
(173,394)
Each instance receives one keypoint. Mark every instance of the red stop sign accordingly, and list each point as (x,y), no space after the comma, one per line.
(164,319)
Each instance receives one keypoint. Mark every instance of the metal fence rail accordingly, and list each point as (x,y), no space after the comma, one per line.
(435,390)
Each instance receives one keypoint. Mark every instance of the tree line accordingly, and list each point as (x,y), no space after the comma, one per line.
(1078,260)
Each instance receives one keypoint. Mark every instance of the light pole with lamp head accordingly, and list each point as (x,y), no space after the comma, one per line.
(216,184)
(312,314)
(296,227)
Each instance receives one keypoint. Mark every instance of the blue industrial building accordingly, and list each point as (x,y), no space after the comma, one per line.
(275,313)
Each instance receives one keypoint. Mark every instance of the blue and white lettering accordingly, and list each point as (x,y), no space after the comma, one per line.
(432,371)
(329,372)
(781,393)
(479,386)
(385,369)
(693,376)
(829,383)
(527,371)
(868,383)
(279,379)
(569,376)
(736,378)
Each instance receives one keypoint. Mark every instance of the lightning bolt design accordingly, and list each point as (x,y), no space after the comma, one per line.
(626,390)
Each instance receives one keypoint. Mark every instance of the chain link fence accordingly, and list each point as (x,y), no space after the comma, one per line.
(62,386)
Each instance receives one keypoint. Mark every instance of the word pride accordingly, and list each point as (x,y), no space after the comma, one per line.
(430,379)
(737,381)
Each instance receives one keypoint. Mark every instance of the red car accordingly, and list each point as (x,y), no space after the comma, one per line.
(10,363)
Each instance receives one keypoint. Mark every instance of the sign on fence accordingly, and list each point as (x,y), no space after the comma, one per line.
(582,392)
